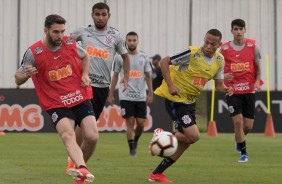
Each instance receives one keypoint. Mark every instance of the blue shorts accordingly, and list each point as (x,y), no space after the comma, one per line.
(182,114)
(77,113)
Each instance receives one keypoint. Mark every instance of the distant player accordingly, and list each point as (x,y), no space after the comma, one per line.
(184,81)
(102,43)
(242,72)
(134,100)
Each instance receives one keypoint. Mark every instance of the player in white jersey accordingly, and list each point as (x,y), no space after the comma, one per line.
(101,42)
(134,100)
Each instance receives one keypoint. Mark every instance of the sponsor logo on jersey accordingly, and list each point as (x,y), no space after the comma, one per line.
(250,44)
(97,52)
(61,73)
(135,74)
(72,98)
(141,62)
(199,81)
(239,67)
(196,55)
(219,58)
(38,50)
(69,41)
(242,86)
(109,40)
(225,47)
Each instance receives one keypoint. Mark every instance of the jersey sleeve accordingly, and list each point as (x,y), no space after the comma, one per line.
(117,64)
(220,73)
(148,66)
(80,51)
(257,54)
(120,47)
(28,59)
(181,58)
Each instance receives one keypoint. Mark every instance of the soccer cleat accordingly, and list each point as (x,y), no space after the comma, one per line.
(244,158)
(133,153)
(70,166)
(158,177)
(82,175)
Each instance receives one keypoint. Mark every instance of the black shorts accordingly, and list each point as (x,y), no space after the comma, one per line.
(182,114)
(242,104)
(99,100)
(138,109)
(77,113)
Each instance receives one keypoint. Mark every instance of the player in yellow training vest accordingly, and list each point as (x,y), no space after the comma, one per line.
(182,84)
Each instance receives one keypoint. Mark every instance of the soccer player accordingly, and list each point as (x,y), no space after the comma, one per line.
(183,82)
(101,42)
(59,69)
(157,75)
(242,72)
(134,100)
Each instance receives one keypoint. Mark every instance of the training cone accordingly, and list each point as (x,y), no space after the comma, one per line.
(212,130)
(2,133)
(269,128)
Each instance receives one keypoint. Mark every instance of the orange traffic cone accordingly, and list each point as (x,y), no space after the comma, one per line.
(269,128)
(212,130)
(2,133)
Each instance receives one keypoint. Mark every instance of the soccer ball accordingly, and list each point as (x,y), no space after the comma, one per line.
(164,144)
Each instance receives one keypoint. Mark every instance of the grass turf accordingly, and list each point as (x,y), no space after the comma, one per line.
(40,158)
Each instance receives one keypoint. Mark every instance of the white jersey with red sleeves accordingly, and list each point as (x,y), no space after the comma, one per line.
(102,47)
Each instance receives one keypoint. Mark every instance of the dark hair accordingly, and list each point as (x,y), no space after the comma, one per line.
(52,19)
(132,33)
(238,22)
(215,32)
(100,6)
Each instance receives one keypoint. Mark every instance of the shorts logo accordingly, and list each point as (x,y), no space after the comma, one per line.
(186,119)
(54,117)
(231,109)
(123,112)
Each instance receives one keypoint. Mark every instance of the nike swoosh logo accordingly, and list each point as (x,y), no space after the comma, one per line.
(56,57)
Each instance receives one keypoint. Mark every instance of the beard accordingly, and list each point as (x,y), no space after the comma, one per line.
(52,42)
(132,48)
(100,25)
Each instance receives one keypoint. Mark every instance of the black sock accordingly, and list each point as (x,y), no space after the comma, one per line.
(131,144)
(82,166)
(138,132)
(242,146)
(166,162)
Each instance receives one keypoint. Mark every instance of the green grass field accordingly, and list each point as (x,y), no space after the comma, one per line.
(33,158)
